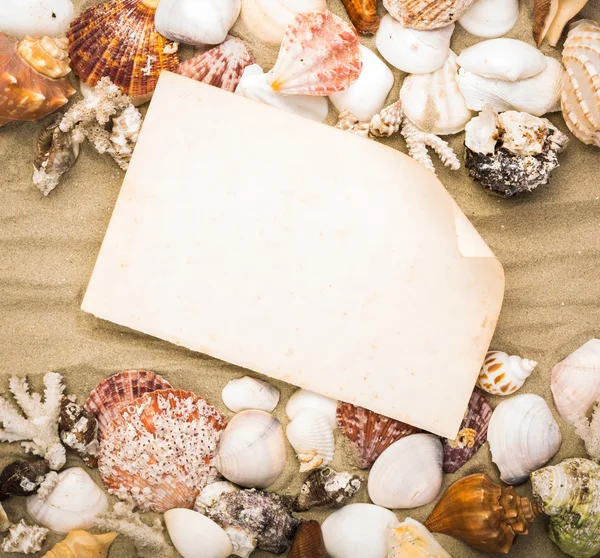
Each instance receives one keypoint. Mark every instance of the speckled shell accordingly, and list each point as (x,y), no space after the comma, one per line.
(363,15)
(502,374)
(427,14)
(118,39)
(81,544)
(308,541)
(326,487)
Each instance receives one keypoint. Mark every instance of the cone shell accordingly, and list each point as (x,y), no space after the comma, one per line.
(427,14)
(326,487)
(411,540)
(363,15)
(118,39)
(308,541)
(319,55)
(502,374)
(159,450)
(482,514)
(312,438)
(370,433)
(81,544)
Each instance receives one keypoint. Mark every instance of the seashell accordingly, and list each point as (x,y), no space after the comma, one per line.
(570,494)
(502,374)
(349,123)
(504,59)
(32,78)
(319,55)
(434,102)
(159,450)
(117,391)
(427,14)
(471,436)
(247,393)
(358,531)
(367,95)
(308,541)
(78,430)
(580,99)
(523,436)
(551,16)
(412,50)
(81,544)
(4,521)
(363,15)
(536,95)
(35,18)
(490,18)
(544,12)
(408,474)
(305,398)
(72,504)
(411,540)
(252,451)
(388,121)
(369,432)
(254,85)
(267,19)
(23,538)
(326,487)
(196,536)
(312,438)
(118,39)
(22,478)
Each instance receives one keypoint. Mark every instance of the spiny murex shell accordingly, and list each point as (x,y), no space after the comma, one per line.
(248,393)
(410,539)
(37,18)
(312,438)
(427,14)
(23,538)
(490,18)
(305,398)
(502,374)
(81,544)
(523,436)
(326,487)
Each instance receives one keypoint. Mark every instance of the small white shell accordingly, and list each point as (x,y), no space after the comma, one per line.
(36,18)
(73,503)
(312,438)
(252,450)
(502,374)
(254,85)
(412,50)
(358,531)
(490,18)
(305,398)
(247,393)
(195,535)
(434,102)
(523,436)
(408,474)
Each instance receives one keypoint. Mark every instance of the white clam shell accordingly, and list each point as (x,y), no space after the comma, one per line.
(36,18)
(505,59)
(196,22)
(366,96)
(412,50)
(305,398)
(252,450)
(502,374)
(248,393)
(72,504)
(434,102)
(537,95)
(254,85)
(312,438)
(195,535)
(576,381)
(490,18)
(358,531)
(408,474)
(523,436)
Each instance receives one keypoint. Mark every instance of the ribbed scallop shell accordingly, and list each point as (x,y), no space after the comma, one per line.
(312,438)
(363,15)
(308,541)
(117,391)
(304,398)
(118,39)
(502,374)
(159,450)
(427,14)
(580,98)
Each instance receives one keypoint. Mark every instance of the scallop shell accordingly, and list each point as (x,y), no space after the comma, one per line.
(363,15)
(247,393)
(81,544)
(502,374)
(523,437)
(551,17)
(252,451)
(319,55)
(312,438)
(159,450)
(410,539)
(305,398)
(434,102)
(490,18)
(308,541)
(326,487)
(118,39)
(32,78)
(427,14)
(36,18)
(412,50)
(369,432)
(580,99)
(115,392)
(408,474)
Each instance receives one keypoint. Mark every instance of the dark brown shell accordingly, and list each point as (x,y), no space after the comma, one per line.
(78,430)
(308,542)
(326,487)
(363,15)
(22,478)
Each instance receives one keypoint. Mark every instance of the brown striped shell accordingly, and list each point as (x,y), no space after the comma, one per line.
(308,541)
(427,14)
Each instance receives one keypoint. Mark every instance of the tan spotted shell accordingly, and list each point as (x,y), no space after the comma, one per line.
(502,374)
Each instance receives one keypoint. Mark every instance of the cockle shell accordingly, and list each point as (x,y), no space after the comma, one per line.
(308,541)
(326,487)
(36,18)
(363,15)
(72,504)
(358,531)
(78,430)
(319,55)
(412,50)
(551,16)
(523,436)
(312,438)
(490,18)
(252,451)
(159,450)
(434,102)
(22,478)
(482,514)
(305,398)
(408,474)
(247,393)
(81,544)
(502,374)
(580,99)
(427,14)
(118,39)
(410,539)
(369,432)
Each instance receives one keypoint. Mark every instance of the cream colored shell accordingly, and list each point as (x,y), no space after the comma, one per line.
(248,393)
(312,438)
(490,18)
(411,539)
